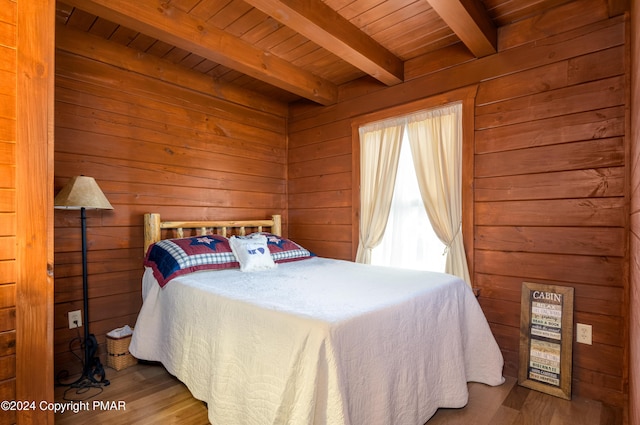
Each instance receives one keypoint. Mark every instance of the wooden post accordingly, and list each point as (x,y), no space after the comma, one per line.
(35,49)
(277,225)
(151,230)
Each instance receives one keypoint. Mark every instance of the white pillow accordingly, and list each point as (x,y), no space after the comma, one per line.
(252,252)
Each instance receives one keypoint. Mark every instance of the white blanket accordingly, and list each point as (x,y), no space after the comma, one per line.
(319,341)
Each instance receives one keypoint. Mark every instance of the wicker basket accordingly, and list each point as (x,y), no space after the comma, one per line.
(118,355)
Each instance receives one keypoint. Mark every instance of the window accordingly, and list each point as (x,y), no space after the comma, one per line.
(409,240)
(435,140)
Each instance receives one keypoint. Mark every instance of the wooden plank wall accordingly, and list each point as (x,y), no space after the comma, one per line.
(153,146)
(634,362)
(8,11)
(549,180)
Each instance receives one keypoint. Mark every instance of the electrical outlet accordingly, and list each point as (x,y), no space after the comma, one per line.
(583,334)
(75,319)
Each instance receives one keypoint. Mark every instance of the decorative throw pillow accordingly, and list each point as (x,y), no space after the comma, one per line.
(284,250)
(170,258)
(252,252)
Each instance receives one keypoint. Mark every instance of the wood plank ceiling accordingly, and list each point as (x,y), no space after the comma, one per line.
(293,49)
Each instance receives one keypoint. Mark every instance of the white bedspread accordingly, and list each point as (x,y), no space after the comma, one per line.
(319,341)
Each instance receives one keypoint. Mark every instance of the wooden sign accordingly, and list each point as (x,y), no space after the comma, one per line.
(546,338)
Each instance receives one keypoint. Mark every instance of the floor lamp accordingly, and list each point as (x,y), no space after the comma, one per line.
(83,193)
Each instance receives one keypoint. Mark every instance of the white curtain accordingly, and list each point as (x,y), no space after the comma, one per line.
(379,151)
(409,241)
(435,137)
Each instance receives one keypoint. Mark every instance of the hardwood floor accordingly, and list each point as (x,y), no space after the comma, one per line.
(151,396)
(511,404)
(147,394)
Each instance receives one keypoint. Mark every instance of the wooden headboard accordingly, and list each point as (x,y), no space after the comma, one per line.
(153,227)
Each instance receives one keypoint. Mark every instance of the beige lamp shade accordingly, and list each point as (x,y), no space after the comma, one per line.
(81,192)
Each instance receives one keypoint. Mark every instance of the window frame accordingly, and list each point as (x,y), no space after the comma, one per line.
(465,95)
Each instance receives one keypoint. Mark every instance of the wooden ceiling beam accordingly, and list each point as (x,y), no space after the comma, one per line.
(99,49)
(330,30)
(470,21)
(159,19)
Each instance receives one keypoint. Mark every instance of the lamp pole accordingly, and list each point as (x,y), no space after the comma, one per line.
(90,370)
(85,295)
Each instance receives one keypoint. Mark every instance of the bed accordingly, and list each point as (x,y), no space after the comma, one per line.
(311,340)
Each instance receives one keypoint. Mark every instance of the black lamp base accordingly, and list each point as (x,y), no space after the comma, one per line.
(93,373)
